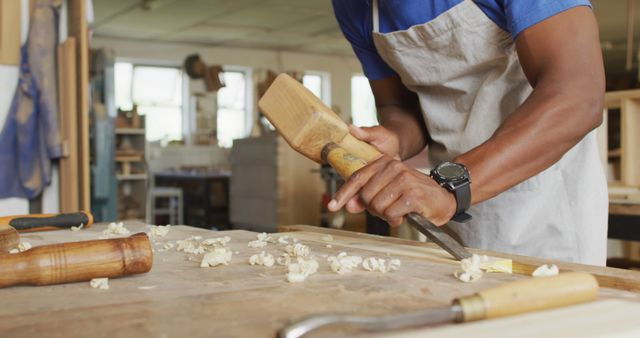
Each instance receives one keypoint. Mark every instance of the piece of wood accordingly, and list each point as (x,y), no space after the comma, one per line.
(9,238)
(522,265)
(306,122)
(10,32)
(77,261)
(67,90)
(78,29)
(630,140)
(178,298)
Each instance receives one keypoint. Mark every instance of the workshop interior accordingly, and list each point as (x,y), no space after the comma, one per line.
(317,168)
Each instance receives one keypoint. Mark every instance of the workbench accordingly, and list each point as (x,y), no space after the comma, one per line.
(180,299)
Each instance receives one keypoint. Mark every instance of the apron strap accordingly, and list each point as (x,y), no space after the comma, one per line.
(376,17)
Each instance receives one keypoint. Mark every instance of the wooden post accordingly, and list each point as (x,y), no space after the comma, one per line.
(79,30)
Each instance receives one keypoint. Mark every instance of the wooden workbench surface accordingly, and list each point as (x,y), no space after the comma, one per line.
(180,299)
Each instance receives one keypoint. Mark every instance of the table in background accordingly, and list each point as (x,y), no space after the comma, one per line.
(205,196)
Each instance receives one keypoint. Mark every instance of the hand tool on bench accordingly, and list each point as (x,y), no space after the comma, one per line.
(77,261)
(41,222)
(9,238)
(534,294)
(312,129)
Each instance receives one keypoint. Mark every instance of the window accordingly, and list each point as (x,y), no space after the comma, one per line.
(363,105)
(157,91)
(319,84)
(234,117)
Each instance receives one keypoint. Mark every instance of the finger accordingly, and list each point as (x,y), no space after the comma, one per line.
(360,133)
(388,175)
(394,214)
(353,185)
(355,205)
(384,199)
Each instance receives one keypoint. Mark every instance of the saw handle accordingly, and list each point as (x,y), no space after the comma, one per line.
(41,222)
(77,261)
(529,295)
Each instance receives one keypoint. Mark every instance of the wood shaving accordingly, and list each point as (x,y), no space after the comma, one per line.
(283,239)
(263,259)
(546,270)
(159,231)
(100,283)
(168,245)
(213,242)
(302,269)
(343,263)
(190,245)
(114,229)
(284,259)
(329,246)
(381,265)
(261,242)
(327,238)
(22,246)
(147,287)
(219,256)
(77,228)
(473,267)
(297,250)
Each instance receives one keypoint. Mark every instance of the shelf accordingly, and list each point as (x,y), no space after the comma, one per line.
(130,131)
(132,177)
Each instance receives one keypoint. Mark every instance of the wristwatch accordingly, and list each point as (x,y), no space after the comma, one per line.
(455,178)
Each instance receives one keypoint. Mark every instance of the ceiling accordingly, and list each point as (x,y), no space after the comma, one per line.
(293,25)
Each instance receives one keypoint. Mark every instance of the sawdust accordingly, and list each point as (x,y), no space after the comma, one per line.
(100,283)
(344,263)
(546,270)
(219,256)
(263,259)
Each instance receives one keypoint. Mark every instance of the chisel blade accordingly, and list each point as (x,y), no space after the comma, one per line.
(438,236)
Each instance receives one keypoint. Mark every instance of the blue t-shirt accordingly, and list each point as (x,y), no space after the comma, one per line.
(355,19)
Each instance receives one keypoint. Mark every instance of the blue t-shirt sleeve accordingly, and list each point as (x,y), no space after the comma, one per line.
(521,15)
(351,16)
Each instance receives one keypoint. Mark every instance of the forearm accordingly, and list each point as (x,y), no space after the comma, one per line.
(549,123)
(408,126)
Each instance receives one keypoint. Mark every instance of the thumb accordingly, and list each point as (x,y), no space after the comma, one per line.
(362,133)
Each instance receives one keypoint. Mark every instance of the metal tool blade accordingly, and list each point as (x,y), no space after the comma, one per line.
(438,236)
(380,323)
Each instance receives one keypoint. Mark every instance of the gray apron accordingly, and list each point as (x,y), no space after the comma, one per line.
(468,78)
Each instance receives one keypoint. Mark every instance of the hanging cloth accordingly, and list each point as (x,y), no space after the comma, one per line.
(30,138)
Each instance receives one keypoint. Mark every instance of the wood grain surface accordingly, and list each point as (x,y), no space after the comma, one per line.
(180,299)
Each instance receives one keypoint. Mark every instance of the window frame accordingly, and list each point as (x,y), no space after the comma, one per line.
(186,104)
(325,84)
(249,104)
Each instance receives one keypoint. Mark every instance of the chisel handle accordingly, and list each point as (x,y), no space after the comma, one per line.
(41,222)
(529,295)
(77,261)
(341,160)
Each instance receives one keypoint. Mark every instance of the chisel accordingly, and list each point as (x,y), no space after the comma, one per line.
(514,298)
(313,130)
(41,222)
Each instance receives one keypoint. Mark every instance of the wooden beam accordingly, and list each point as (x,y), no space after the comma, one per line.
(10,14)
(79,30)
(67,89)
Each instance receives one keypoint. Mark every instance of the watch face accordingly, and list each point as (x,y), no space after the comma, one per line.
(451,170)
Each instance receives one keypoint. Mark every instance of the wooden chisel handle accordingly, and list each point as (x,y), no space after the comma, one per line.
(77,261)
(529,295)
(41,222)
(341,160)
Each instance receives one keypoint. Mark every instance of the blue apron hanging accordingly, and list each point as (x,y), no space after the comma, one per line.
(30,138)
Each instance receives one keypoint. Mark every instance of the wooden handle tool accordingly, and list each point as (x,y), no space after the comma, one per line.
(312,129)
(534,294)
(9,238)
(77,261)
(41,222)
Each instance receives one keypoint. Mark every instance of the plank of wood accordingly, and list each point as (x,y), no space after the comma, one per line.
(67,89)
(10,28)
(630,139)
(178,298)
(78,29)
(522,265)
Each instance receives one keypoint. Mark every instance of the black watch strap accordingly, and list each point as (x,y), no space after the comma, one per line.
(463,199)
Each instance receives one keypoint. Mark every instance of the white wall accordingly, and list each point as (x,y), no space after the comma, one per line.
(339,68)
(8,82)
